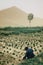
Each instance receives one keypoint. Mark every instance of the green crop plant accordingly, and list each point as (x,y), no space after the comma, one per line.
(13,53)
(12,64)
(7,51)
(3,46)
(39,50)
(7,62)
(34,45)
(40,45)
(35,49)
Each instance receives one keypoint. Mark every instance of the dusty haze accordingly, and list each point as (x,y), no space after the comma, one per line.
(17,18)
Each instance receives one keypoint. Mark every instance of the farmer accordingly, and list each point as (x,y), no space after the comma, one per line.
(29,53)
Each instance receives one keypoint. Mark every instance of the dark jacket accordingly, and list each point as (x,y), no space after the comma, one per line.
(29,54)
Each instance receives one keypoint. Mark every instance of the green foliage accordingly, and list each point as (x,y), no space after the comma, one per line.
(18,30)
(12,64)
(33,61)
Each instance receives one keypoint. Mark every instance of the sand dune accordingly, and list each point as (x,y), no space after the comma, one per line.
(15,17)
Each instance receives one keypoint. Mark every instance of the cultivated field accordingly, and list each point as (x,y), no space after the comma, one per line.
(12,46)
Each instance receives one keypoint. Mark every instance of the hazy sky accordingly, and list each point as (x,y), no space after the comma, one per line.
(29,6)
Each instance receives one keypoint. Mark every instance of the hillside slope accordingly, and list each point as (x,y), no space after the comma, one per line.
(15,17)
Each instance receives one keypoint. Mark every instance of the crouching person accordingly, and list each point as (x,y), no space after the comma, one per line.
(29,53)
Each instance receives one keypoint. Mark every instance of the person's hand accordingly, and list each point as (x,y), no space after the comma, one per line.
(24,58)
